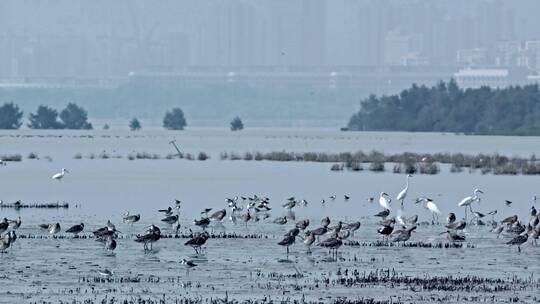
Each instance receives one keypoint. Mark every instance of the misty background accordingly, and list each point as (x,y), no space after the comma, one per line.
(272,62)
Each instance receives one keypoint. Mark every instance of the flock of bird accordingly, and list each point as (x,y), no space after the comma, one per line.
(392,226)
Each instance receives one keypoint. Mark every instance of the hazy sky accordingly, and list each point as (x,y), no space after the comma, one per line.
(102,37)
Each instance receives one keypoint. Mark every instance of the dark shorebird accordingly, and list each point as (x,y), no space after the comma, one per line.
(451,218)
(280,220)
(346,197)
(54,228)
(205,211)
(293,232)
(188,263)
(319,231)
(219,215)
(332,197)
(131,218)
(352,227)
(385,231)
(151,235)
(507,203)
(103,233)
(533,211)
(197,241)
(167,211)
(309,239)
(457,225)
(4,225)
(332,244)
(518,240)
(303,224)
(290,205)
(453,237)
(5,242)
(510,220)
(383,213)
(402,235)
(16,223)
(498,230)
(287,241)
(171,219)
(203,223)
(76,229)
(325,221)
(110,245)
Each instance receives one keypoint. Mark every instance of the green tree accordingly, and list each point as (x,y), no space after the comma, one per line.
(174,120)
(10,116)
(75,117)
(44,118)
(447,108)
(135,125)
(237,124)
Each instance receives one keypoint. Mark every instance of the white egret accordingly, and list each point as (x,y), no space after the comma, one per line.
(431,206)
(403,194)
(59,176)
(384,201)
(466,202)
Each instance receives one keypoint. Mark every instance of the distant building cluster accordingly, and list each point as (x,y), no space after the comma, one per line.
(103,43)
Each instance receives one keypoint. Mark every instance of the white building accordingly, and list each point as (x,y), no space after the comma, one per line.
(476,78)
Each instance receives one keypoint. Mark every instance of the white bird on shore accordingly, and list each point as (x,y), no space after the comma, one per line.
(384,201)
(403,194)
(431,206)
(59,176)
(466,202)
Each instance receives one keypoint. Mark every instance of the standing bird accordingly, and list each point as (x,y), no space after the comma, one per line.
(76,229)
(466,202)
(110,245)
(16,224)
(4,225)
(383,213)
(188,263)
(5,242)
(384,201)
(303,224)
(218,215)
(198,241)
(131,218)
(519,240)
(431,206)
(453,237)
(287,241)
(402,235)
(451,218)
(346,197)
(54,228)
(333,244)
(309,239)
(403,194)
(280,220)
(59,176)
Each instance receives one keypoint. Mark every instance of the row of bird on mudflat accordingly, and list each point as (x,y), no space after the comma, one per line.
(392,228)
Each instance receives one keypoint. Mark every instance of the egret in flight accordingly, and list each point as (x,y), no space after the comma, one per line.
(469,200)
(403,194)
(59,176)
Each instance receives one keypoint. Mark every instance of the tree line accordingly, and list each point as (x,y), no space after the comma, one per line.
(76,117)
(445,107)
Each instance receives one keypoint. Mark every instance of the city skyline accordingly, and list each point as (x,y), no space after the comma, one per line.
(82,39)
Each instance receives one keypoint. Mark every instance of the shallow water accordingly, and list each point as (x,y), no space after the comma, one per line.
(45,269)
